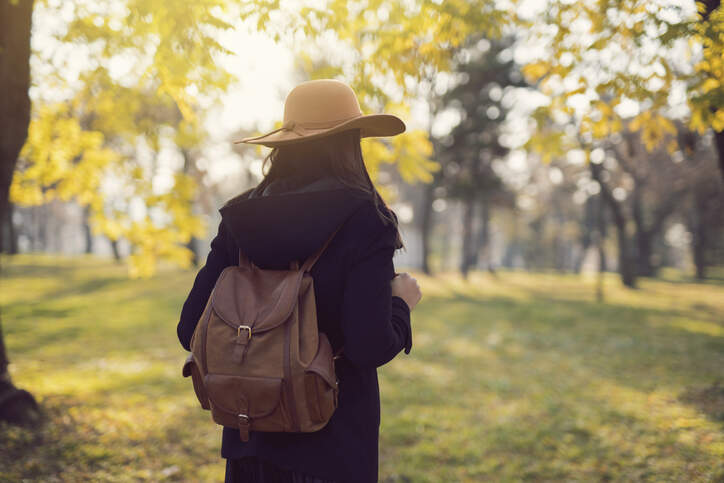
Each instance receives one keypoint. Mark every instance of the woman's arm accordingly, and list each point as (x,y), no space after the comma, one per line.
(218,259)
(375,324)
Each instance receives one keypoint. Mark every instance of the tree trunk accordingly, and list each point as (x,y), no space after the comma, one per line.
(8,233)
(644,243)
(483,242)
(87,231)
(193,244)
(116,252)
(643,237)
(467,258)
(626,267)
(16,406)
(702,225)
(426,222)
(512,248)
(602,233)
(586,239)
(12,231)
(646,235)
(42,227)
(699,248)
(589,227)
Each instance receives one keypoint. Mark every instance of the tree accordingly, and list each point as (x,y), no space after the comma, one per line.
(703,210)
(583,38)
(111,129)
(16,405)
(651,188)
(468,151)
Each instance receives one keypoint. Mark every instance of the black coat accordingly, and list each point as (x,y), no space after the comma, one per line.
(355,308)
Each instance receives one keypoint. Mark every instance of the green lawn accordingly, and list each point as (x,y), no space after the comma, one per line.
(514,377)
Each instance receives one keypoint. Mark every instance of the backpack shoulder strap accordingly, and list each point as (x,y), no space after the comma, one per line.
(244,261)
(309,263)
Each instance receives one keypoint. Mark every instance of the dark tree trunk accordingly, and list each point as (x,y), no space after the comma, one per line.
(426,222)
(116,251)
(43,240)
(16,405)
(646,235)
(88,233)
(626,267)
(599,222)
(483,241)
(12,231)
(193,244)
(512,249)
(602,233)
(586,240)
(699,244)
(703,223)
(590,228)
(466,260)
(8,233)
(644,250)
(643,238)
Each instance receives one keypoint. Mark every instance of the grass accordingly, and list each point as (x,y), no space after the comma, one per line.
(514,377)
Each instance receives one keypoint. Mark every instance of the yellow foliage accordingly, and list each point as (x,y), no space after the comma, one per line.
(654,130)
(534,71)
(74,147)
(72,150)
(413,151)
(60,160)
(640,33)
(706,99)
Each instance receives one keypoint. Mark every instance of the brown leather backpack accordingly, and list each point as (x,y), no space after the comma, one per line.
(257,359)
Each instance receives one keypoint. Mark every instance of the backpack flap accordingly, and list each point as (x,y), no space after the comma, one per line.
(258,299)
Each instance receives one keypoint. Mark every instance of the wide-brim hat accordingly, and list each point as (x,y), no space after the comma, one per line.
(322,107)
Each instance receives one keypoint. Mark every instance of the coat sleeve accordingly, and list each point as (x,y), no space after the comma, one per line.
(375,324)
(218,259)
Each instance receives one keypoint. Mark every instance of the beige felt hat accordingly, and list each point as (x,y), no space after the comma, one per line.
(318,108)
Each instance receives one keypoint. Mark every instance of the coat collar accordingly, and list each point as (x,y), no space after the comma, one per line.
(290,219)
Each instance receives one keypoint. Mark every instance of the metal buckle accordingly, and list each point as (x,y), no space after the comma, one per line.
(243,416)
(245,327)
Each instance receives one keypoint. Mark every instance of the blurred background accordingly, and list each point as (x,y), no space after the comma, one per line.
(559,191)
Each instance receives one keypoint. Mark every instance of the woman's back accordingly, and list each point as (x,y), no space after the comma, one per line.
(354,308)
(318,182)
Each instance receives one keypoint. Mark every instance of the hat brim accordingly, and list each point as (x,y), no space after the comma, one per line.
(370,125)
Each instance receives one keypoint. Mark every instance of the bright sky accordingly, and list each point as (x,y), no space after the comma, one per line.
(265,72)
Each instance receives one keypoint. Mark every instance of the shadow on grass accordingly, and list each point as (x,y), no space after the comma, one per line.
(37,343)
(75,445)
(636,347)
(709,400)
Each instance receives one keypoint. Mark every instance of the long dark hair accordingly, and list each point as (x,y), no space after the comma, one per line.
(338,155)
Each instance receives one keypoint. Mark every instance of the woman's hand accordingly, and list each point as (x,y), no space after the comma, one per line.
(405,286)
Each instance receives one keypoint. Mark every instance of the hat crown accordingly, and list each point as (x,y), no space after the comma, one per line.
(321,103)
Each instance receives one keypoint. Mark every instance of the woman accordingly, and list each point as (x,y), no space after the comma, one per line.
(317,182)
